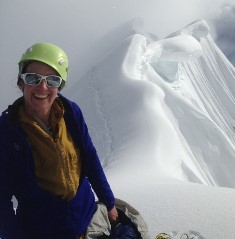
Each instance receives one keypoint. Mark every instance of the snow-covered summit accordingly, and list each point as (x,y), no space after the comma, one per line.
(165,105)
(180,46)
(161,115)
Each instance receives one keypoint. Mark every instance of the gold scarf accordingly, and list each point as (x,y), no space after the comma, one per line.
(56,159)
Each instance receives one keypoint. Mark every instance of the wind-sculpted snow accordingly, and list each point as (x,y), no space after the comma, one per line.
(166,55)
(198,29)
(178,49)
(165,106)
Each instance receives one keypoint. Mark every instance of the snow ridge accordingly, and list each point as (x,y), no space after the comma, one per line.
(165,105)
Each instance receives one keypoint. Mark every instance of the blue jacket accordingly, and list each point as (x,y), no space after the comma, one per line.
(41,215)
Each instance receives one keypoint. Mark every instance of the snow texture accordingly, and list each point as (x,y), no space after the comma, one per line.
(161,114)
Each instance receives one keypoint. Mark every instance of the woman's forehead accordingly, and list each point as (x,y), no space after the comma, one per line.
(35,66)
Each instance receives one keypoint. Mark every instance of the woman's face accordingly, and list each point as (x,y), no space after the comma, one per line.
(39,98)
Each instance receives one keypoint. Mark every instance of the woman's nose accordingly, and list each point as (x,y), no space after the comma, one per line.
(43,84)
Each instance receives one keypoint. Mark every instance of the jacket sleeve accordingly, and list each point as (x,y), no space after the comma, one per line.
(93,167)
(9,227)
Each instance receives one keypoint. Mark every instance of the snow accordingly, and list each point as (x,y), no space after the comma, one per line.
(161,115)
(181,207)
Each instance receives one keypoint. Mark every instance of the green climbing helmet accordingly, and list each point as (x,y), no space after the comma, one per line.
(49,54)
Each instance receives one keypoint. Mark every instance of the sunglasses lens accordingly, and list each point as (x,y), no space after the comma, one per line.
(53,81)
(32,79)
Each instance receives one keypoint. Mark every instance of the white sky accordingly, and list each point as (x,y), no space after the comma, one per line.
(84,28)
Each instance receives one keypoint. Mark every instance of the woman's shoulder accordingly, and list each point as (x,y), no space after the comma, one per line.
(11,112)
(68,104)
(72,109)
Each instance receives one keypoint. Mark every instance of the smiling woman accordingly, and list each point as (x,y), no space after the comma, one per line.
(47,159)
(39,97)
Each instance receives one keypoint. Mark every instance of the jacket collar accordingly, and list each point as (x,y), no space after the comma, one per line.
(12,111)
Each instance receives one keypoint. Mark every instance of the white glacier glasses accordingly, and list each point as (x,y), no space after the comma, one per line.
(35,79)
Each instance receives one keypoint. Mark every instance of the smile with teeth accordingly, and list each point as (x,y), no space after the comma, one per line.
(40,96)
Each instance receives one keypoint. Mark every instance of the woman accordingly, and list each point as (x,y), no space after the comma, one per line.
(47,159)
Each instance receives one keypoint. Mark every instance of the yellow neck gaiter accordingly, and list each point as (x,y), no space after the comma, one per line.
(56,159)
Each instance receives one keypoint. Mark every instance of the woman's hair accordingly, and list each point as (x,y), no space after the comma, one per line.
(22,70)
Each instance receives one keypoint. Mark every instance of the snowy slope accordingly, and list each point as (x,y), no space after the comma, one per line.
(165,105)
(176,208)
(161,117)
